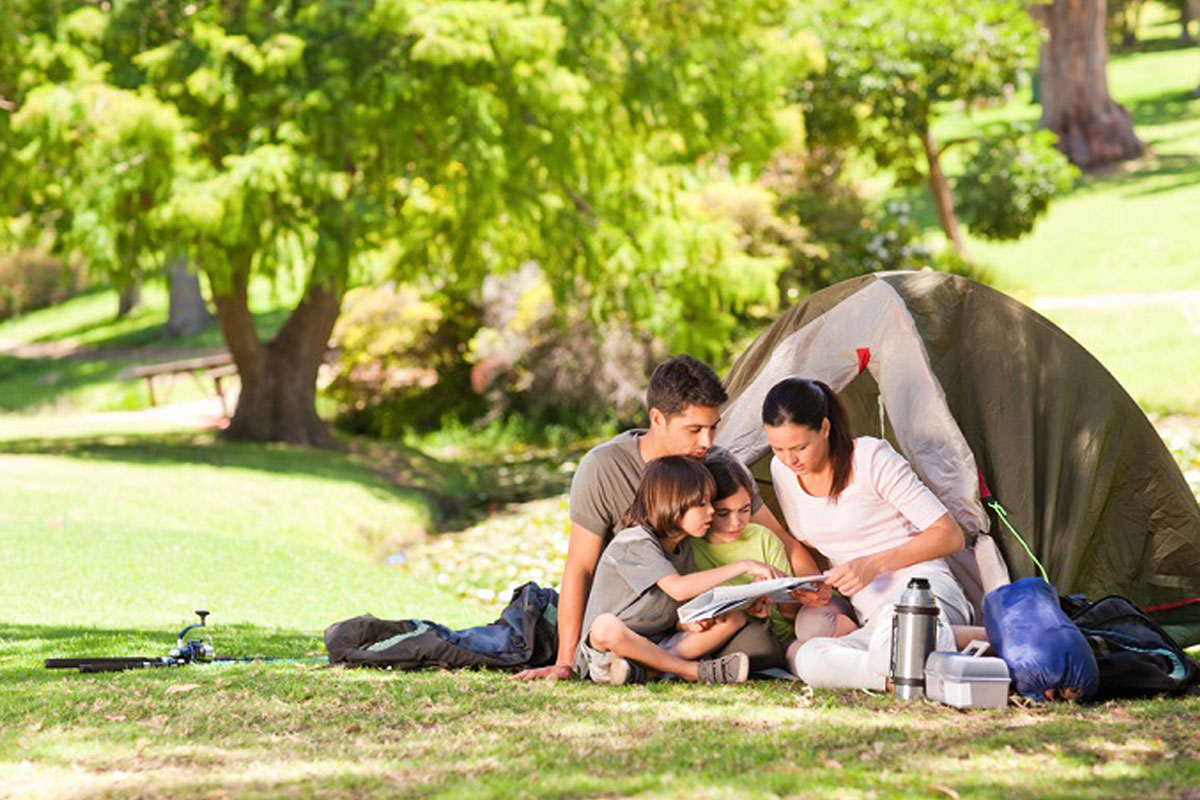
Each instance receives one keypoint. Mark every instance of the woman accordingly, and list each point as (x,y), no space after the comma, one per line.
(859,504)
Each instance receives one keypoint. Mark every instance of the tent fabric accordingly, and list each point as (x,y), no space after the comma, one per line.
(970,384)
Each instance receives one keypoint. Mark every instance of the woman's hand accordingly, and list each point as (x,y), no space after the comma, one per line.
(853,576)
(820,597)
(760,571)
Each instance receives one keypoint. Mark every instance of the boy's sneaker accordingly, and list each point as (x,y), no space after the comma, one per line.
(733,668)
(624,671)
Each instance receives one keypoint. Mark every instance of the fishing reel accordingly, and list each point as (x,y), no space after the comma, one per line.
(196,650)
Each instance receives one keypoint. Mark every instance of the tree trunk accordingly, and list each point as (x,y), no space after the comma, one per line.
(1092,128)
(277,402)
(186,311)
(129,297)
(943,198)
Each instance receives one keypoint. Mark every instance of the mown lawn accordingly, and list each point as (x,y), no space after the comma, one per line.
(110,543)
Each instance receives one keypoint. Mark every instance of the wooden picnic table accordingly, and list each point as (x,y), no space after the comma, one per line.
(214,367)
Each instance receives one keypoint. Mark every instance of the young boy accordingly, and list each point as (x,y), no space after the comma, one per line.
(631,624)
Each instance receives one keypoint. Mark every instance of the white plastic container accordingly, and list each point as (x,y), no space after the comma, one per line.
(967,679)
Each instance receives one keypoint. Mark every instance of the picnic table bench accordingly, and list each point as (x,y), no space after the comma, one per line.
(214,367)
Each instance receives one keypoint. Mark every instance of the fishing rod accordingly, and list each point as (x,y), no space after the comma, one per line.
(195,650)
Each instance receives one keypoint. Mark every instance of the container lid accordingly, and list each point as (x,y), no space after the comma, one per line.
(961,667)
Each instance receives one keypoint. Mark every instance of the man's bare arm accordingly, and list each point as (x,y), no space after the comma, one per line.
(583,554)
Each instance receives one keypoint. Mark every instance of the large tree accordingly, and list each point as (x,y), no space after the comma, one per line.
(439,142)
(1092,128)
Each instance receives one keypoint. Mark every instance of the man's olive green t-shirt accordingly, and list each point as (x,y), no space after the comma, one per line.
(607,480)
(755,542)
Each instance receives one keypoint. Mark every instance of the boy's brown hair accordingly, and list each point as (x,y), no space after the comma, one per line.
(670,486)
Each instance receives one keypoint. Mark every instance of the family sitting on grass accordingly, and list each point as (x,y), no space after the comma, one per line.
(660,516)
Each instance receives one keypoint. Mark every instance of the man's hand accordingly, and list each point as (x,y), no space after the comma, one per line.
(853,576)
(558,672)
(820,597)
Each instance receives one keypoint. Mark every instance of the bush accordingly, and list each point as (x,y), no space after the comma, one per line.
(844,235)
(401,363)
(30,280)
(1009,181)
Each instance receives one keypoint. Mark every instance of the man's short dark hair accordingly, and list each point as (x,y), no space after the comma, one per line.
(684,381)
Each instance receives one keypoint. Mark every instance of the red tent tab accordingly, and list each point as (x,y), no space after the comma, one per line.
(864,358)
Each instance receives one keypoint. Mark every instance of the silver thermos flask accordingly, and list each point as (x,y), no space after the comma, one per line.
(914,631)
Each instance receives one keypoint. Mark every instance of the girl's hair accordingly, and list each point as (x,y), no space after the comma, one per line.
(729,474)
(800,401)
(670,486)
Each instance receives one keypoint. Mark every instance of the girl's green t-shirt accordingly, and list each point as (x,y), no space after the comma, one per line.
(755,542)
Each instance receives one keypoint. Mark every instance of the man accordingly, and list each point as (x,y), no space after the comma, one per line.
(683,400)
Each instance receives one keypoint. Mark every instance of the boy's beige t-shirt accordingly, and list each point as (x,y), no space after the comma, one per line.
(607,480)
(755,542)
(626,585)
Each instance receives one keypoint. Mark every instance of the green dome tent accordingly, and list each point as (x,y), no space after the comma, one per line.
(981,393)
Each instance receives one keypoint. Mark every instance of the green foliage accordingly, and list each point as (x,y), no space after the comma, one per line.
(98,159)
(401,361)
(29,281)
(436,143)
(889,64)
(843,235)
(1008,182)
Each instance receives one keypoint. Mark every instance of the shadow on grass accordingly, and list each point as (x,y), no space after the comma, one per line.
(149,334)
(340,733)
(24,648)
(459,492)
(34,383)
(1157,44)
(1163,109)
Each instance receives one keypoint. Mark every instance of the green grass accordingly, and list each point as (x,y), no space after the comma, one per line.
(88,353)
(111,540)
(1130,229)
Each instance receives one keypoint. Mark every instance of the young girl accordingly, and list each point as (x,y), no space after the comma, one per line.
(631,620)
(731,537)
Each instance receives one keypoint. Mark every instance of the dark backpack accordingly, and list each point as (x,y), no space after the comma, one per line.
(1136,657)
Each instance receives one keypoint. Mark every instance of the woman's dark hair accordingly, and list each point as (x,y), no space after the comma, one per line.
(728,473)
(670,486)
(800,401)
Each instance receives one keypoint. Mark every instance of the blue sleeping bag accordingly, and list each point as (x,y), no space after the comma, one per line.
(1043,649)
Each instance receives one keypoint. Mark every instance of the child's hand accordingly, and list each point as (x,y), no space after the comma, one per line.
(760,571)
(761,608)
(699,626)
